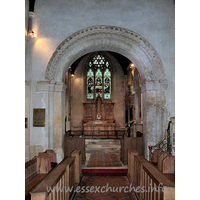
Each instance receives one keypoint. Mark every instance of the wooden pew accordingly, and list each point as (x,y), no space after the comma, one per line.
(153,184)
(35,171)
(168,167)
(61,177)
(131,154)
(166,163)
(78,161)
(31,169)
(155,156)
(52,156)
(160,157)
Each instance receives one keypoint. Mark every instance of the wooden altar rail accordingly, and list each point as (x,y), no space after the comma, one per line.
(57,184)
(152,183)
(117,133)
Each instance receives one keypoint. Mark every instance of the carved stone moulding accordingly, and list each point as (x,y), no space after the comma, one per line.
(110,38)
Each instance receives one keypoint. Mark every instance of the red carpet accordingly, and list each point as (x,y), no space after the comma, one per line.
(104,172)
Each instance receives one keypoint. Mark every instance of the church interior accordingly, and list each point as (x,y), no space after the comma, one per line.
(99,98)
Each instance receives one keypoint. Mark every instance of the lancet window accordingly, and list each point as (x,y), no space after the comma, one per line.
(98,78)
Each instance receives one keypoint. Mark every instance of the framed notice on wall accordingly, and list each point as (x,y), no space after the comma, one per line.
(38,117)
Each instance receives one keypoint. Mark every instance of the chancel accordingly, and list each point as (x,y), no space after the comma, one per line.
(99,118)
(100,97)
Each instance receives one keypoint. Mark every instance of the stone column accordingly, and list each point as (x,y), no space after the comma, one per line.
(51,115)
(59,119)
(56,114)
(154,124)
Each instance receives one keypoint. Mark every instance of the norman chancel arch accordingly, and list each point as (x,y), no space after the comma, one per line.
(122,41)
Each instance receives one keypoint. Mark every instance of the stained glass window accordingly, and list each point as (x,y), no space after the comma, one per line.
(107,84)
(98,78)
(90,84)
(98,83)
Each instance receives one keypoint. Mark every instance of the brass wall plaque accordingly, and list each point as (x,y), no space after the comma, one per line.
(38,117)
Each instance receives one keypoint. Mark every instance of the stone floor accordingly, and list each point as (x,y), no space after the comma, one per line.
(105,188)
(105,148)
(101,152)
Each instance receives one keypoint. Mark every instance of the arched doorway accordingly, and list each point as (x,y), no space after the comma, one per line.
(125,42)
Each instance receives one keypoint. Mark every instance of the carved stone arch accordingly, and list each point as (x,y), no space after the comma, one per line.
(127,43)
(106,38)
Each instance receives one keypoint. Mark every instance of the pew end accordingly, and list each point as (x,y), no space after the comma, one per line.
(66,175)
(35,171)
(78,162)
(155,156)
(145,175)
(131,154)
(160,157)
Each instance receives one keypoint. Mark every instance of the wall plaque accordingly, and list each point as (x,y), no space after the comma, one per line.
(38,117)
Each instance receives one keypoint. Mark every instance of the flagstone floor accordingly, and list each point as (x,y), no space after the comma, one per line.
(103,153)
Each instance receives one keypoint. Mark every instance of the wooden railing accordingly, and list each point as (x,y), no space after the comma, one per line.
(60,182)
(150,182)
(96,133)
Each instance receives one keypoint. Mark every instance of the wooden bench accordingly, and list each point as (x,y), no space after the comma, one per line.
(165,163)
(78,162)
(151,183)
(168,167)
(35,171)
(131,154)
(52,156)
(155,156)
(160,157)
(61,177)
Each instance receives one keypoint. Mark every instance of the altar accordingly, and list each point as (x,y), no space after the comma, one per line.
(98,119)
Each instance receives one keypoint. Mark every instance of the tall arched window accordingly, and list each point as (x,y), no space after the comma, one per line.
(98,78)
